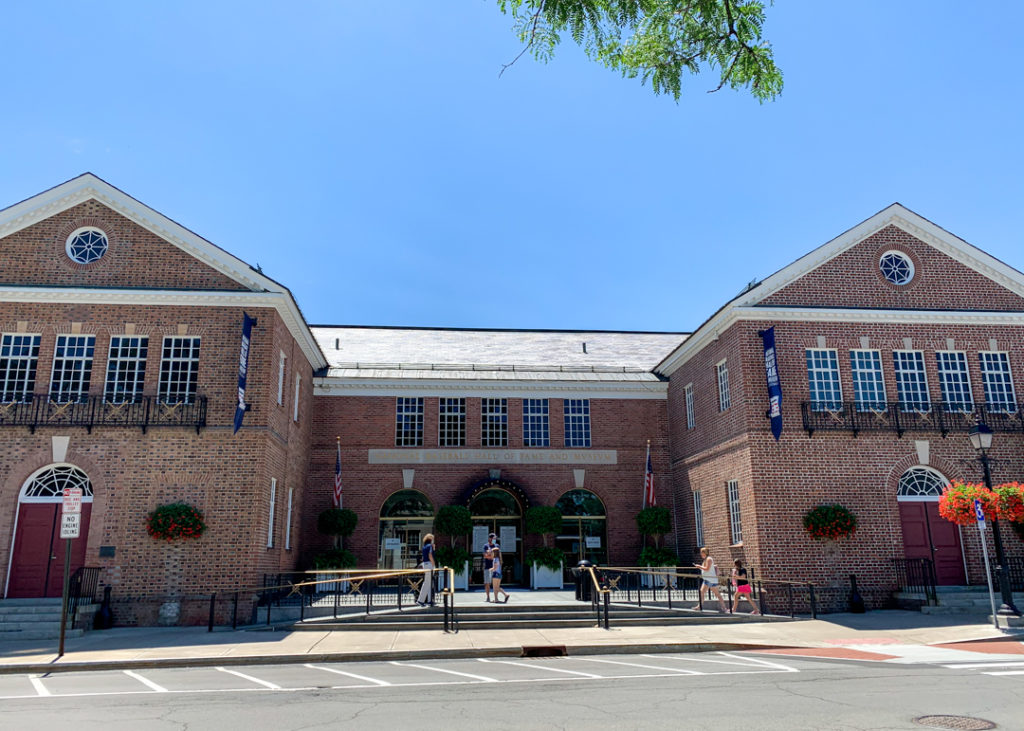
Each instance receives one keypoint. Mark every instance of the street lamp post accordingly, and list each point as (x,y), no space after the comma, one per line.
(981,440)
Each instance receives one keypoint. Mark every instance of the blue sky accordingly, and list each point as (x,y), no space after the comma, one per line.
(368,156)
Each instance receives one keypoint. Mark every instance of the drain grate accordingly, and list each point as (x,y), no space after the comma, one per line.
(961,723)
(544,651)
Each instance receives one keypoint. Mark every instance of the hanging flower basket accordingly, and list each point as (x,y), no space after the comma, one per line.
(176,521)
(1010,502)
(957,502)
(830,522)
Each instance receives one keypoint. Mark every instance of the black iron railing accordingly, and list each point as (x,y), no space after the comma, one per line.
(1016,571)
(91,411)
(900,418)
(917,576)
(82,589)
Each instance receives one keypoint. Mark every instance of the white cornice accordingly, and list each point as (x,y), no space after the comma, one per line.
(279,301)
(650,390)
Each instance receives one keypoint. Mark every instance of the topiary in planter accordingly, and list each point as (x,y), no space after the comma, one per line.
(830,522)
(337,522)
(654,556)
(175,521)
(336,558)
(454,557)
(453,521)
(654,522)
(549,558)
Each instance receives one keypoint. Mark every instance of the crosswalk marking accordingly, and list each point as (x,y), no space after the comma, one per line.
(1006,672)
(543,667)
(351,675)
(37,683)
(760,661)
(264,683)
(974,665)
(145,681)
(482,678)
(681,671)
(686,658)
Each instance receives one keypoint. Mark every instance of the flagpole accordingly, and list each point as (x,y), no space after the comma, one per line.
(337,475)
(643,494)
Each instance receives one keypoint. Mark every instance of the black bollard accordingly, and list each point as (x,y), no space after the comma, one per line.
(856,600)
(104,618)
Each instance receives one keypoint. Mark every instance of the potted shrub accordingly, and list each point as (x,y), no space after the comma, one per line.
(545,562)
(332,560)
(337,522)
(454,521)
(654,522)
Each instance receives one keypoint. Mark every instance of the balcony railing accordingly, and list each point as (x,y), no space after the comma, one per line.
(90,411)
(900,418)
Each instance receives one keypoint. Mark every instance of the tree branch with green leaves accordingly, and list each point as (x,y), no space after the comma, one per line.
(659,41)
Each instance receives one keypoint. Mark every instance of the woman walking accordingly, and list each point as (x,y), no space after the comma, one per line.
(427,564)
(709,577)
(496,574)
(739,580)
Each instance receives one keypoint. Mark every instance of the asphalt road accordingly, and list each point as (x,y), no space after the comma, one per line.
(688,691)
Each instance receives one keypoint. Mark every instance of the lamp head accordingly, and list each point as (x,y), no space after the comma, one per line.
(981,437)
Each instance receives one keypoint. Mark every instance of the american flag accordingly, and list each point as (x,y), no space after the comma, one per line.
(649,499)
(337,477)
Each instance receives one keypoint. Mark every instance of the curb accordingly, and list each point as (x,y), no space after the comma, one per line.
(458,653)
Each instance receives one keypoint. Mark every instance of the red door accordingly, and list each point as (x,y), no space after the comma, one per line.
(927,535)
(37,566)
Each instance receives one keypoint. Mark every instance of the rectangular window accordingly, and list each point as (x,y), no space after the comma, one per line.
(295,404)
(698,518)
(494,422)
(408,422)
(911,384)
(179,370)
(998,383)
(126,368)
(577,422)
(954,381)
(270,518)
(19,356)
(72,367)
(288,523)
(282,359)
(723,386)
(536,432)
(868,384)
(451,424)
(691,420)
(823,380)
(735,523)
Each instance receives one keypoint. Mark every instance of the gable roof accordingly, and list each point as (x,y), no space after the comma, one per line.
(743,306)
(87,187)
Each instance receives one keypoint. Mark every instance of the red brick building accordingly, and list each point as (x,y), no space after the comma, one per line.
(120,336)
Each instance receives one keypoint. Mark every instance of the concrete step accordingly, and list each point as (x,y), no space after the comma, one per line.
(48,616)
(38,634)
(30,602)
(432,622)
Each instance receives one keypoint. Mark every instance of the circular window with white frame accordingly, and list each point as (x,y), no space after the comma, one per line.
(896,267)
(86,245)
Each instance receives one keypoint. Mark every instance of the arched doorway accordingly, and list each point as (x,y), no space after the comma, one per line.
(584,532)
(405,518)
(925,533)
(497,506)
(37,561)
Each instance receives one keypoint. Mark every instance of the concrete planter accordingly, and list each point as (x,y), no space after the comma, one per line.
(462,580)
(541,577)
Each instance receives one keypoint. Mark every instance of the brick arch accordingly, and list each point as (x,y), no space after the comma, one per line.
(892,481)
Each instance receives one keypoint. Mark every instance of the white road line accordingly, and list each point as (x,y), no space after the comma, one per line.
(972,665)
(1006,672)
(687,658)
(145,681)
(542,667)
(264,683)
(766,663)
(351,675)
(37,683)
(680,671)
(482,678)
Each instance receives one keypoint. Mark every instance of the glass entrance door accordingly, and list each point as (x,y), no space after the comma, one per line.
(497,511)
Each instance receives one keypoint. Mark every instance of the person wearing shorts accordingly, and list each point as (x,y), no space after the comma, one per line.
(709,577)
(739,580)
(488,566)
(496,575)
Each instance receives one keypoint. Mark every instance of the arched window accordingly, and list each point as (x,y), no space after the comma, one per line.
(405,518)
(47,485)
(580,503)
(921,483)
(584,533)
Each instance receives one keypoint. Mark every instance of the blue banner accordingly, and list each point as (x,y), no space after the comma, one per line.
(243,369)
(771,370)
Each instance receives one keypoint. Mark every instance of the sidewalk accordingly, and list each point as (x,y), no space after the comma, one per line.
(125,648)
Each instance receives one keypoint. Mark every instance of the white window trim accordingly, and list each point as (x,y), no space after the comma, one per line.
(881,373)
(984,383)
(280,378)
(942,381)
(295,406)
(691,418)
(735,516)
(444,431)
(698,518)
(288,524)
(924,373)
(35,380)
(542,416)
(92,362)
(839,371)
(113,360)
(273,505)
(724,399)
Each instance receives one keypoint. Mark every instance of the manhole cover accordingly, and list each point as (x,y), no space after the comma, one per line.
(955,722)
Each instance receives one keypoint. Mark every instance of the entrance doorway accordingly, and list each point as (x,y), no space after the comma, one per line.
(583,534)
(37,561)
(405,518)
(925,533)
(499,511)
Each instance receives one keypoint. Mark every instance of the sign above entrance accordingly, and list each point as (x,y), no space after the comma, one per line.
(72,500)
(70,525)
(494,456)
